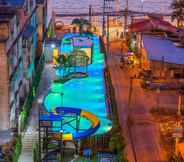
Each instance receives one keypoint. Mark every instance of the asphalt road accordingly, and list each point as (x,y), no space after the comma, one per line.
(143,139)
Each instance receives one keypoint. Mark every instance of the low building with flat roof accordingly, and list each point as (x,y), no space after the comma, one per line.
(162,56)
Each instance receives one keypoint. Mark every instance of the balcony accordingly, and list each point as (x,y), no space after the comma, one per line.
(3,32)
(23,16)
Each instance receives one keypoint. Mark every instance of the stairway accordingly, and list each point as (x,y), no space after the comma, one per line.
(28,141)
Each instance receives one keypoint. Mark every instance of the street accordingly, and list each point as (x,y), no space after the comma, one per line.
(143,142)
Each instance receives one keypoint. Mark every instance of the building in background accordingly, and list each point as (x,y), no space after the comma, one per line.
(7,19)
(41,15)
(22,24)
(160,46)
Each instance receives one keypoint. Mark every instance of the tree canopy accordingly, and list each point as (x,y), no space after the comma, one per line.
(80,22)
(178,11)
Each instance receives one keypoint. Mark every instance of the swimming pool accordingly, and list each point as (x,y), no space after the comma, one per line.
(85,93)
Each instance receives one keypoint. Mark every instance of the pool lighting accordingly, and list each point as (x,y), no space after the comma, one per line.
(53,45)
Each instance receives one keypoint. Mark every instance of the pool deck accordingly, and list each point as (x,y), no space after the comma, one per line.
(26,155)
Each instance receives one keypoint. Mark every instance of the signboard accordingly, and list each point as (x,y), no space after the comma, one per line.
(177,132)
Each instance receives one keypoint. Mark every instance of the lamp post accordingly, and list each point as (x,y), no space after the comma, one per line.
(61,98)
(61,140)
(178,123)
(103,24)
(158,92)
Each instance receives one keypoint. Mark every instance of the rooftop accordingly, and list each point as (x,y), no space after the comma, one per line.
(160,48)
(151,23)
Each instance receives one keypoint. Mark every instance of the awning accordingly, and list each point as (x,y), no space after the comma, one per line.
(28,32)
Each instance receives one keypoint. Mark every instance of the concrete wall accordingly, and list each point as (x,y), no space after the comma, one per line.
(161,68)
(167,70)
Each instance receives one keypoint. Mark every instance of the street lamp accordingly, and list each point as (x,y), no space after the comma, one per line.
(181,93)
(178,123)
(158,92)
(61,139)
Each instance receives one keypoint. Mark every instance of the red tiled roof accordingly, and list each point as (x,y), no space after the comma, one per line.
(152,24)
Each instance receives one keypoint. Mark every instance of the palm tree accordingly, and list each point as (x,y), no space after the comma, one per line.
(178,11)
(62,60)
(80,23)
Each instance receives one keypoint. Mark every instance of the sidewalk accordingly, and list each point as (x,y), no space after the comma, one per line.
(47,75)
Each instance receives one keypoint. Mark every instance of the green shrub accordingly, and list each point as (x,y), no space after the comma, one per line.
(36,153)
(59,158)
(51,32)
(24,115)
(17,149)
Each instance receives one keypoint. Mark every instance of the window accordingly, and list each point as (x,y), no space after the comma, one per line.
(31,3)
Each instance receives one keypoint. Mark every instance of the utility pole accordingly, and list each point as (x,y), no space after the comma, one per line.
(103,23)
(178,123)
(108,6)
(130,93)
(158,92)
(108,35)
(39,137)
(126,19)
(142,7)
(90,14)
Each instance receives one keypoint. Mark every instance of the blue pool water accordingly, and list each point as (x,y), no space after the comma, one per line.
(84,93)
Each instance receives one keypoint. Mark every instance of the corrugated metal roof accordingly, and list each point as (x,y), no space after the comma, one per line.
(161,49)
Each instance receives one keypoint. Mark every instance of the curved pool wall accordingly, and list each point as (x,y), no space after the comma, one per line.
(85,93)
